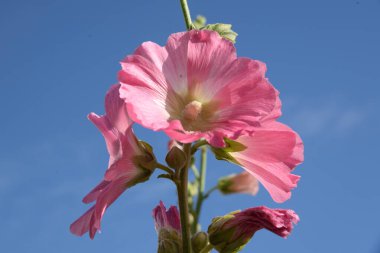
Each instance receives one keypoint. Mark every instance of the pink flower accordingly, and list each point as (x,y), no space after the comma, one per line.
(195,87)
(233,231)
(269,154)
(168,227)
(239,183)
(128,163)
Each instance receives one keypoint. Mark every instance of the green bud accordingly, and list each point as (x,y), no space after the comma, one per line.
(193,188)
(199,22)
(176,158)
(169,241)
(199,241)
(225,238)
(224,30)
(224,184)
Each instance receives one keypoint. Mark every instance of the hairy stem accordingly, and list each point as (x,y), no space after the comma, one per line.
(183,201)
(186,14)
(201,185)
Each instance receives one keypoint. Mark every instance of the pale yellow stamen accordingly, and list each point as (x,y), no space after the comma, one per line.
(192,110)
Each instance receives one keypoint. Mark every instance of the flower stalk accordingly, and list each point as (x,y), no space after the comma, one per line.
(183,201)
(201,189)
(186,14)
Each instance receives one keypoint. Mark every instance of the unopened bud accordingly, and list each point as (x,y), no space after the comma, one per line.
(176,158)
(230,233)
(168,227)
(238,183)
(199,241)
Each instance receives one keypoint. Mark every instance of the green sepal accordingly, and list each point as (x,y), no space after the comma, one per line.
(224,153)
(234,146)
(224,30)
(223,237)
(224,183)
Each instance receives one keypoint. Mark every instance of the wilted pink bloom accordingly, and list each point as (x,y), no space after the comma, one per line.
(168,227)
(124,169)
(195,87)
(271,153)
(233,231)
(239,183)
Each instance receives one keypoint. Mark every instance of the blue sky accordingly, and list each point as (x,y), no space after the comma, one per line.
(58,58)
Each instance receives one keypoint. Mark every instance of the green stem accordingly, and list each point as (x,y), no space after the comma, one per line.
(186,14)
(195,171)
(202,184)
(197,145)
(183,201)
(207,194)
(164,168)
(207,249)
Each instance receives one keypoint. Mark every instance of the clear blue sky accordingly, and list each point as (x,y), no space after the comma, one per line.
(58,58)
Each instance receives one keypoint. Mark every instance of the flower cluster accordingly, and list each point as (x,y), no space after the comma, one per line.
(197,91)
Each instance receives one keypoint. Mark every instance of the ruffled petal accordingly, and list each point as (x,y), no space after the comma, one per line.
(209,56)
(246,96)
(272,152)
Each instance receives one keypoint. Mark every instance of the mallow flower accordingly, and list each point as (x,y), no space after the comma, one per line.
(130,162)
(196,87)
(230,233)
(270,153)
(168,227)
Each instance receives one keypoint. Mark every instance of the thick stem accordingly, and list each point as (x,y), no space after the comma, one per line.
(186,14)
(202,184)
(183,201)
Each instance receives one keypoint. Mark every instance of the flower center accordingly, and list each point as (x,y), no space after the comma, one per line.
(192,110)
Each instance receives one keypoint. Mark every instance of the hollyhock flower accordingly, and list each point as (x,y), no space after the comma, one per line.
(168,227)
(130,163)
(269,154)
(196,87)
(239,183)
(232,232)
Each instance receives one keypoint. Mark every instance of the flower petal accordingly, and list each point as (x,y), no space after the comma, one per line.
(116,110)
(246,96)
(83,223)
(272,152)
(94,193)
(110,134)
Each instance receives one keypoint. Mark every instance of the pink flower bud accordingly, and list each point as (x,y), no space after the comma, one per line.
(232,232)
(238,183)
(168,227)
